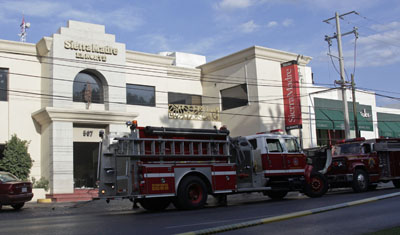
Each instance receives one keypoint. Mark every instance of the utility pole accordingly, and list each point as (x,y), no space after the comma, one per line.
(342,82)
(353,89)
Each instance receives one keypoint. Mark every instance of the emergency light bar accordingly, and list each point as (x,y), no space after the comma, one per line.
(350,140)
(276,131)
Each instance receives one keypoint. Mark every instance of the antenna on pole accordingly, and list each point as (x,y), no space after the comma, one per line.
(24,26)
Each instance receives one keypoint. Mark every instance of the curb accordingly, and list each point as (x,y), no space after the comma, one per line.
(46,200)
(267,220)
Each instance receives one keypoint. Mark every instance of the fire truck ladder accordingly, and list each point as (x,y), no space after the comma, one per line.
(195,146)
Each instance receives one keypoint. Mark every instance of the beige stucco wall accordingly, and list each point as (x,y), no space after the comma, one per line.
(23,97)
(261,69)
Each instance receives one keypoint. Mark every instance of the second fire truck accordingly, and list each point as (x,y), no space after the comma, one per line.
(156,166)
(362,164)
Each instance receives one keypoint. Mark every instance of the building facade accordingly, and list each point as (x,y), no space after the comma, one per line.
(60,92)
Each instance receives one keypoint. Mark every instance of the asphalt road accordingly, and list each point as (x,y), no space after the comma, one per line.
(98,217)
(362,219)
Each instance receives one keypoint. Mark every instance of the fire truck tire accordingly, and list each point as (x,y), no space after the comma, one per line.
(360,181)
(317,187)
(276,195)
(155,204)
(192,194)
(396,183)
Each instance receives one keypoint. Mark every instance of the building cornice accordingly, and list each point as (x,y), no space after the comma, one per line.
(51,114)
(251,53)
(149,59)
(44,46)
(17,47)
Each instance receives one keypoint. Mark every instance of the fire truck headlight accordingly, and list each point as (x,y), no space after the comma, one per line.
(103,191)
(339,164)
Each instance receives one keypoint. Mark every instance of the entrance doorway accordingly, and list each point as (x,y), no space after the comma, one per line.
(85,164)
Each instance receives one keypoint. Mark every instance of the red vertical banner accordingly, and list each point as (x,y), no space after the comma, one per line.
(291,95)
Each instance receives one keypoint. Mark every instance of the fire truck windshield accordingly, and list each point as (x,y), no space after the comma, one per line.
(353,148)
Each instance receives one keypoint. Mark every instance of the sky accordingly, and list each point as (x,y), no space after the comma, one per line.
(216,28)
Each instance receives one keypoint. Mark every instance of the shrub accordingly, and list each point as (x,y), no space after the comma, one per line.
(41,183)
(16,158)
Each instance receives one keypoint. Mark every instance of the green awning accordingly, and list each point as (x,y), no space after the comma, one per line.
(384,130)
(336,117)
(388,125)
(322,121)
(333,110)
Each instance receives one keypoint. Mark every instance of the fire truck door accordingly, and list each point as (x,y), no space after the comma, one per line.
(275,156)
(294,159)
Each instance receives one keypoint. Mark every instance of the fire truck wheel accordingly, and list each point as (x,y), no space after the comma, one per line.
(276,195)
(360,181)
(155,204)
(192,193)
(318,185)
(396,183)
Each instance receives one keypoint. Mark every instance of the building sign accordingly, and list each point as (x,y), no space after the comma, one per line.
(86,134)
(365,114)
(291,95)
(90,51)
(192,112)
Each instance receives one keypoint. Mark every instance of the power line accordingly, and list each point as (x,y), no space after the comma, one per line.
(142,69)
(305,120)
(166,77)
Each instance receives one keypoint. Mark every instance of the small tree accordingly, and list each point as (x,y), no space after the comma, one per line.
(16,158)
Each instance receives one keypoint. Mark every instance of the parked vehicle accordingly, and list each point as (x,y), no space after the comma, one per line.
(13,191)
(362,164)
(156,166)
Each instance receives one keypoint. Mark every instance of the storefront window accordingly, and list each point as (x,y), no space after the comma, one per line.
(180,98)
(234,97)
(3,84)
(87,88)
(140,95)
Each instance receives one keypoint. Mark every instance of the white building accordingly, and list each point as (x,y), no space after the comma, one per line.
(60,92)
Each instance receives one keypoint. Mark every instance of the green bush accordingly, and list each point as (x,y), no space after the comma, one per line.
(41,183)
(16,158)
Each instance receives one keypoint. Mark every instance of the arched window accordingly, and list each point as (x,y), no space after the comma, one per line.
(88,88)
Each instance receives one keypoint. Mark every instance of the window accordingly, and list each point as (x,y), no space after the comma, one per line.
(87,88)
(140,95)
(253,143)
(2,147)
(234,97)
(353,148)
(274,145)
(3,84)
(292,146)
(180,98)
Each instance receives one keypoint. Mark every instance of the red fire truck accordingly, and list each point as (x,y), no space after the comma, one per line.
(156,166)
(362,164)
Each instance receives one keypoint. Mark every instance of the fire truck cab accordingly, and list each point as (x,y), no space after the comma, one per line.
(156,166)
(361,163)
